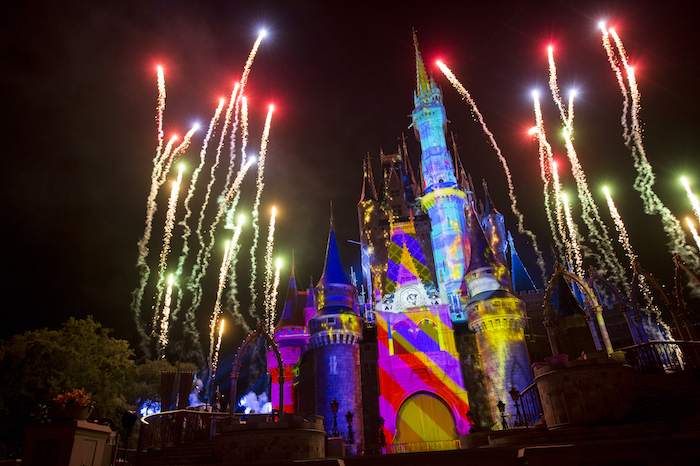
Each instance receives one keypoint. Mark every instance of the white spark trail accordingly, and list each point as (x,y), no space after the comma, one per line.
(273,298)
(546,164)
(598,231)
(167,237)
(573,238)
(268,268)
(645,174)
(165,320)
(511,190)
(693,231)
(190,329)
(260,184)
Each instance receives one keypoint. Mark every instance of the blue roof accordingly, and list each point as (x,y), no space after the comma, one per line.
(333,271)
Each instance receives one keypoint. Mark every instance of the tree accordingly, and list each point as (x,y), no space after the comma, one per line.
(38,365)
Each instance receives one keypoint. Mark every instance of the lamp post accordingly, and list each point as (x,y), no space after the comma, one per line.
(334,408)
(470,419)
(351,434)
(515,395)
(382,435)
(502,408)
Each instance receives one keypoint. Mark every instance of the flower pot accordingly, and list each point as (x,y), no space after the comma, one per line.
(69,412)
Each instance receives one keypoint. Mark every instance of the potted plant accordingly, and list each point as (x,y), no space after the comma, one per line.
(74,404)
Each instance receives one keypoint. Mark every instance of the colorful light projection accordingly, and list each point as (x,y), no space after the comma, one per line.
(417,355)
(443,201)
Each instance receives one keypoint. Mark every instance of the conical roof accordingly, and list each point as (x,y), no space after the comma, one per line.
(522,281)
(568,304)
(481,253)
(333,271)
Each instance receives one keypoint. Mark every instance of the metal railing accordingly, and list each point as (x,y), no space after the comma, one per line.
(530,404)
(169,428)
(439,445)
(662,357)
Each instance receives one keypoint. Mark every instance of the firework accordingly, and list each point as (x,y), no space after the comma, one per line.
(573,238)
(215,361)
(187,231)
(268,267)
(511,190)
(632,134)
(273,298)
(546,164)
(167,237)
(691,197)
(165,321)
(558,209)
(597,230)
(693,231)
(260,184)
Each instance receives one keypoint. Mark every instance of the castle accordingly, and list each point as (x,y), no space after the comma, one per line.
(435,337)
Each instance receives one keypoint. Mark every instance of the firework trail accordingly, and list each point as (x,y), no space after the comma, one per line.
(243,81)
(558,209)
(273,298)
(598,231)
(260,184)
(160,109)
(693,231)
(231,247)
(167,237)
(633,140)
(200,265)
(206,251)
(620,81)
(546,165)
(268,268)
(244,144)
(187,231)
(573,238)
(216,315)
(554,87)
(142,245)
(620,226)
(233,306)
(570,112)
(691,197)
(165,321)
(511,190)
(643,286)
(215,361)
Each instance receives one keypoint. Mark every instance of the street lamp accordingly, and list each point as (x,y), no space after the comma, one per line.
(502,408)
(470,419)
(334,408)
(351,434)
(382,435)
(515,395)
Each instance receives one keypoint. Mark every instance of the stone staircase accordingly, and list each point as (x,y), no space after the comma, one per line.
(193,453)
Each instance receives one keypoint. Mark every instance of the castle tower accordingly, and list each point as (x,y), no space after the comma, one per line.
(335,332)
(442,199)
(498,320)
(291,338)
(494,226)
(421,390)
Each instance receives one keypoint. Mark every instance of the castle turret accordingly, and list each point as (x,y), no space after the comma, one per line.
(442,199)
(498,319)
(335,332)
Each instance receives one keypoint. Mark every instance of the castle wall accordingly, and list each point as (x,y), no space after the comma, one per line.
(337,375)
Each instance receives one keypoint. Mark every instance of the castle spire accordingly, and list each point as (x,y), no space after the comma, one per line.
(422,80)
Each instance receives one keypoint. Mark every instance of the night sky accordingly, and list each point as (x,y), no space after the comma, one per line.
(79,93)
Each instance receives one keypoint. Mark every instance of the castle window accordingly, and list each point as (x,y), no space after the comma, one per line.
(331,320)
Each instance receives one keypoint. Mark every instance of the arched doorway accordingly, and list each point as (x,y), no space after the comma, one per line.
(425,417)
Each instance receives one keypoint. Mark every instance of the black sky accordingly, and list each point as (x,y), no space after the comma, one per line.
(78,105)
